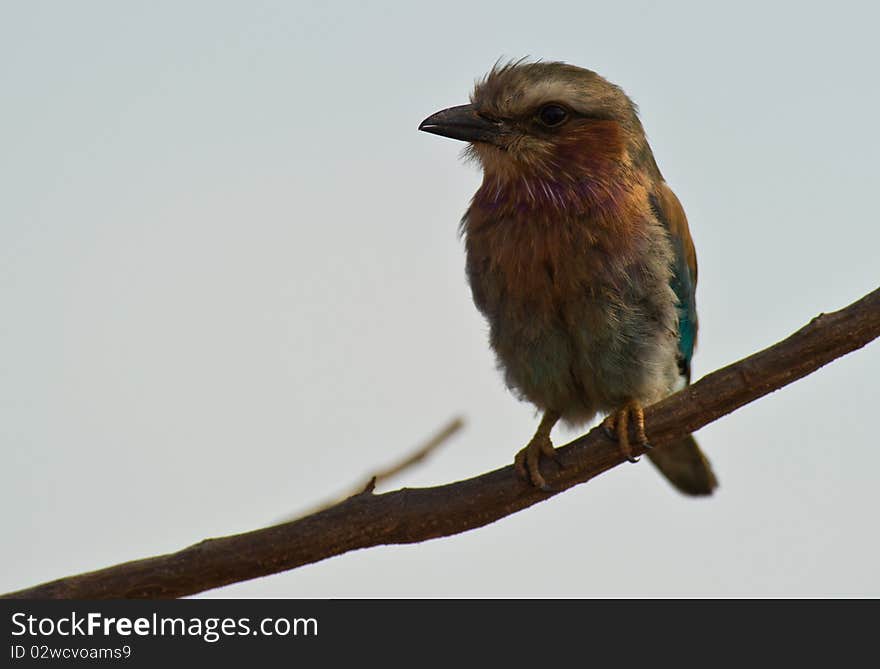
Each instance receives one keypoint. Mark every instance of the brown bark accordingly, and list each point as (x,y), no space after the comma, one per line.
(413,515)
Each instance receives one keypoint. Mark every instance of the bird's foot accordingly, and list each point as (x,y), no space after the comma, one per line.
(616,426)
(528,461)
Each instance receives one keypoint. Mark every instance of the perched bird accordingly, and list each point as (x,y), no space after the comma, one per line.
(579,256)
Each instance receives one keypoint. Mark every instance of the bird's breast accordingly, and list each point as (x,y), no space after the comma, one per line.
(580,312)
(539,265)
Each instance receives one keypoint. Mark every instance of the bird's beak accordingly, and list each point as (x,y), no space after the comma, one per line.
(464,123)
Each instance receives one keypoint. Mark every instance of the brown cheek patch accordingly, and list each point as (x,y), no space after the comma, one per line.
(592,147)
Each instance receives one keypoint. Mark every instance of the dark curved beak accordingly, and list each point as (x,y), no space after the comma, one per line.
(464,123)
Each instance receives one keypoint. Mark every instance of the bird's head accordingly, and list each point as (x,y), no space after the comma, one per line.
(546,122)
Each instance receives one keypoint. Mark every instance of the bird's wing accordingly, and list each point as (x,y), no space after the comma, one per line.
(682,462)
(669,211)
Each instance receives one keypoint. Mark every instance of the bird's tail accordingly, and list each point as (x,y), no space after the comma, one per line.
(684,464)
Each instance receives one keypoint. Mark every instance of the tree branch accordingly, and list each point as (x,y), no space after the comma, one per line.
(413,515)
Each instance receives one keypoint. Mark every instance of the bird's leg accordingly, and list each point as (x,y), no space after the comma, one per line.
(528,460)
(617,427)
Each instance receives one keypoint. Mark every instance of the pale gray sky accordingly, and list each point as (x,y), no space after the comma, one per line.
(231,285)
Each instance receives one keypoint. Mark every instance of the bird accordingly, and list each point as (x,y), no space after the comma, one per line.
(580,258)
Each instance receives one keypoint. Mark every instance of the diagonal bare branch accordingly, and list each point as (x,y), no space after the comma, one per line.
(414,515)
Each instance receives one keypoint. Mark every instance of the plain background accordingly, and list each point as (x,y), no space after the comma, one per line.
(231,286)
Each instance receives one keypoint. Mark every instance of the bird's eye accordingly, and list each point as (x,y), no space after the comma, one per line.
(552,115)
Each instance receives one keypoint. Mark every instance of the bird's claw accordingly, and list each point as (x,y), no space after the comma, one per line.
(616,428)
(528,462)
